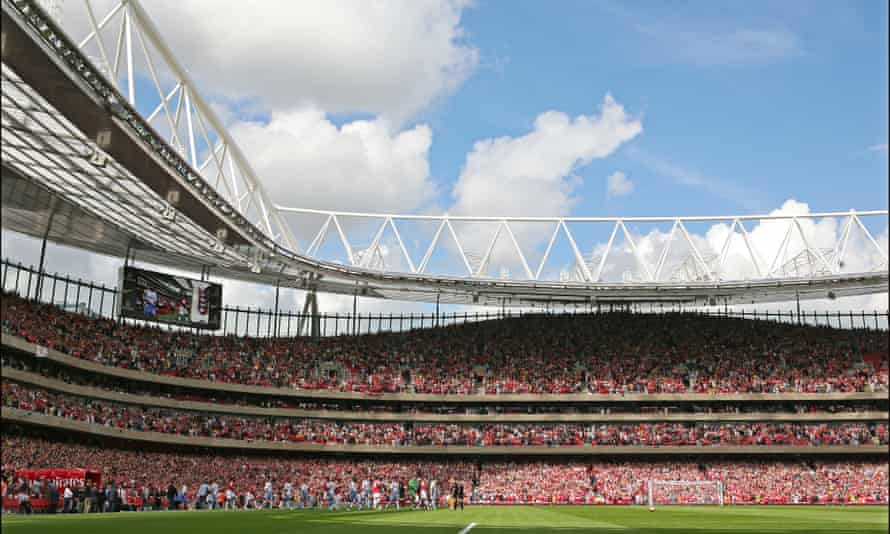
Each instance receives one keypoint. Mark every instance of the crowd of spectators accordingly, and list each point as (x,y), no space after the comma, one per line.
(135,472)
(67,375)
(612,353)
(191,423)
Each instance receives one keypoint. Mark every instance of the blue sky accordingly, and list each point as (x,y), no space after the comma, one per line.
(795,109)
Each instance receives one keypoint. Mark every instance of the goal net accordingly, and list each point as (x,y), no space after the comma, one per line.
(686,492)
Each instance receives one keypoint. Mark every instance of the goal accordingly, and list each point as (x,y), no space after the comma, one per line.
(686,492)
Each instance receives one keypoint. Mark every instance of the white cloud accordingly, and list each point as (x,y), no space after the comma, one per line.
(880,147)
(390,58)
(533,174)
(306,161)
(766,237)
(619,185)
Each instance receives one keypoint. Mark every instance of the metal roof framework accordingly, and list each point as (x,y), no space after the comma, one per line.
(174,185)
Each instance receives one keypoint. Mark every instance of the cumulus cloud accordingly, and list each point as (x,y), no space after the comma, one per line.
(307,161)
(767,237)
(619,185)
(389,58)
(534,174)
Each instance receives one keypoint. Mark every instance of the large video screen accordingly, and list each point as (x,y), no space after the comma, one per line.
(166,298)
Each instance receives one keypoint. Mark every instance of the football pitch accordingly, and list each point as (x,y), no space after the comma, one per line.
(473,520)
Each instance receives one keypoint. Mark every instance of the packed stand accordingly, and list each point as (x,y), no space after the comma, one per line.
(68,375)
(186,480)
(197,424)
(611,353)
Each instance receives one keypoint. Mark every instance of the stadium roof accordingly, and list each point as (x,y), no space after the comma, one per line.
(78,155)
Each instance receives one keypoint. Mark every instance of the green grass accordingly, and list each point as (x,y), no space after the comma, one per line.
(491,520)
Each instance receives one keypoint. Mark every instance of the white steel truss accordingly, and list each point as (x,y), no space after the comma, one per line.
(700,260)
(129,50)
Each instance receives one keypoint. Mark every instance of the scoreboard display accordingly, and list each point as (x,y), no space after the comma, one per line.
(167,298)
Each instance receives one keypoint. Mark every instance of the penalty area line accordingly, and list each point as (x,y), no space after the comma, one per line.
(467,528)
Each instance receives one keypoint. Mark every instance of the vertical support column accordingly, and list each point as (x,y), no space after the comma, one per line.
(437,309)
(310,313)
(275,314)
(40,268)
(77,295)
(18,271)
(355,311)
(315,321)
(5,272)
(28,287)
(52,295)
(120,288)
(90,300)
(651,500)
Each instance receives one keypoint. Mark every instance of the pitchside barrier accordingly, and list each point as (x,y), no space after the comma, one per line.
(10,504)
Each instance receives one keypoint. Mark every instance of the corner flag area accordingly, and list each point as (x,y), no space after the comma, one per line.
(484,519)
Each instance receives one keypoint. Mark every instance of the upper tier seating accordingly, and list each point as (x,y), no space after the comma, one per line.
(612,353)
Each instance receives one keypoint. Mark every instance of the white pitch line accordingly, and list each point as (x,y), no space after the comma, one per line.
(467,528)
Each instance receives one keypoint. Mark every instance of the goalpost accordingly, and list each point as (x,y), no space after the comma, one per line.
(686,492)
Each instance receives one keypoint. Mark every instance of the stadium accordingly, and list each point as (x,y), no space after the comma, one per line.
(207,328)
